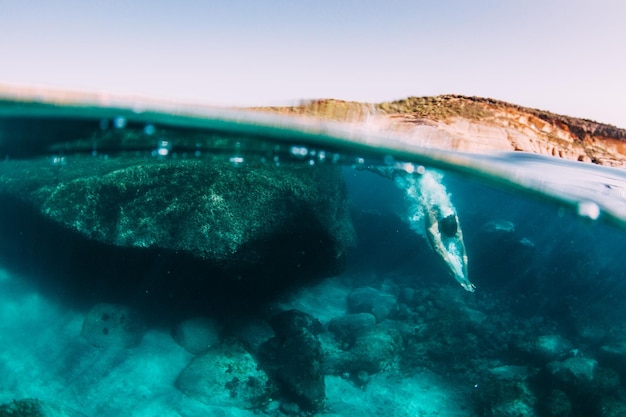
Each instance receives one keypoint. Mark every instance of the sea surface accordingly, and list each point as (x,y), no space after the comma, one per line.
(175,261)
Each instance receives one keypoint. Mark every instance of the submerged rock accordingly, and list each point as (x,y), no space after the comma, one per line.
(112,326)
(577,372)
(293,322)
(370,300)
(506,392)
(294,358)
(36,408)
(374,350)
(614,355)
(196,335)
(371,350)
(612,407)
(197,225)
(583,375)
(545,348)
(556,404)
(210,209)
(253,331)
(228,376)
(347,327)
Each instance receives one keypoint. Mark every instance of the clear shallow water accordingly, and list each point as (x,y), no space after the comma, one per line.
(229,264)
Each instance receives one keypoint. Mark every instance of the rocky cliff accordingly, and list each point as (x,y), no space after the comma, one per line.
(475,124)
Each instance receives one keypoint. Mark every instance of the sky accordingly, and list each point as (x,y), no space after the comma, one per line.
(568,57)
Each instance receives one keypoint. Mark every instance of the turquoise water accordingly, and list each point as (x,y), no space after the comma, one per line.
(184,262)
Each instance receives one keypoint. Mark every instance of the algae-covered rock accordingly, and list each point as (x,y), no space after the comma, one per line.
(372,350)
(31,407)
(577,371)
(209,208)
(168,230)
(373,301)
(349,326)
(506,394)
(556,404)
(227,375)
(294,359)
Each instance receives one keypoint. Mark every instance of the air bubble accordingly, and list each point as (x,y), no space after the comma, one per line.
(58,160)
(164,148)
(119,122)
(299,151)
(407,167)
(588,209)
(236,160)
(149,130)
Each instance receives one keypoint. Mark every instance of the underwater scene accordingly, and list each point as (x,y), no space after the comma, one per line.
(157,262)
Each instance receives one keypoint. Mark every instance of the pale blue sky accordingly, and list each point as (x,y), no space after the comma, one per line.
(564,56)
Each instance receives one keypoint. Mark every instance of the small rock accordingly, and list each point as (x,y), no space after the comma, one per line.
(196,335)
(112,326)
(614,356)
(511,373)
(361,378)
(557,404)
(372,351)
(254,332)
(612,407)
(369,300)
(575,372)
(591,333)
(515,408)
(289,408)
(508,397)
(407,295)
(347,327)
(291,322)
(376,349)
(545,348)
(36,408)
(227,375)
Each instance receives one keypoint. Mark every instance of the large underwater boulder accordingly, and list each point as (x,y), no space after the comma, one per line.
(212,209)
(201,220)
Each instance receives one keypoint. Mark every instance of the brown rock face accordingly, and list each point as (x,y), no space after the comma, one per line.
(479,125)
